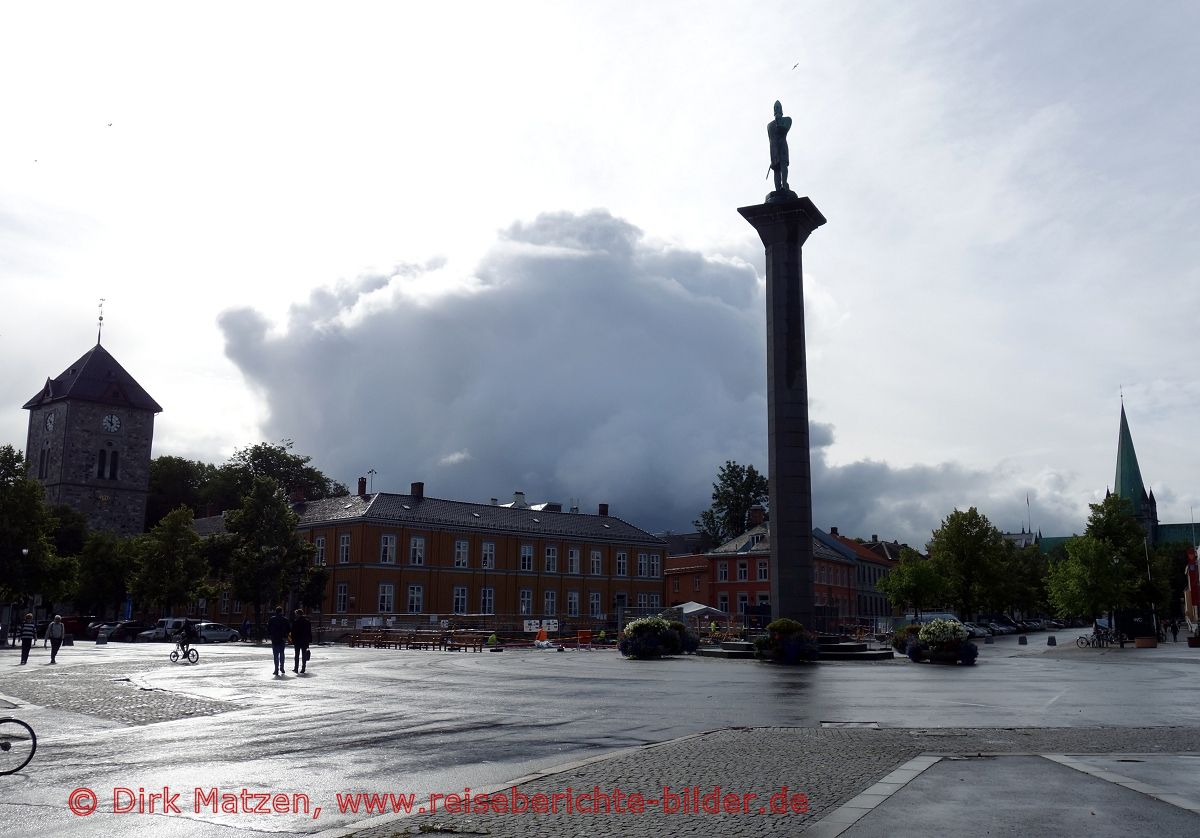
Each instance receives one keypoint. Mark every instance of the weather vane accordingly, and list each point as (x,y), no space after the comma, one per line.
(100,321)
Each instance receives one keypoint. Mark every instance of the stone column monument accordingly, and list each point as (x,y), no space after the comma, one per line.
(784,222)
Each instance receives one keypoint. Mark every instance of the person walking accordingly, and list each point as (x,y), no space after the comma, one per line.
(246,629)
(301,639)
(27,632)
(277,629)
(55,633)
(1175,630)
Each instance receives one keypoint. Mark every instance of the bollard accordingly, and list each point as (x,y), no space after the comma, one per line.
(101,638)
(1051,640)
(1022,640)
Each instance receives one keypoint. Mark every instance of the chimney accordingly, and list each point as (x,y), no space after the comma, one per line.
(874,537)
(362,487)
(519,500)
(495,501)
(757,515)
(604,510)
(833,531)
(417,490)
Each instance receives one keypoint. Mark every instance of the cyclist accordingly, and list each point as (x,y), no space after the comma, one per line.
(186,636)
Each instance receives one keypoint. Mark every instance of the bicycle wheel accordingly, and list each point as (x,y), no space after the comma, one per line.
(17,745)
(174,655)
(193,655)
(1082,642)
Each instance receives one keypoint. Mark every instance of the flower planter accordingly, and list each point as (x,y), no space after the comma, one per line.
(1145,642)
(1193,642)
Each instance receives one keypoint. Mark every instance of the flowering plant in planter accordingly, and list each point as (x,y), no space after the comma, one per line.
(648,637)
(944,641)
(943,633)
(786,641)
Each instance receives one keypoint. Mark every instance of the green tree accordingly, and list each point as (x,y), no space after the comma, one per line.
(176,482)
(70,530)
(914,583)
(968,553)
(291,471)
(737,489)
(1092,579)
(26,529)
(270,558)
(106,565)
(170,568)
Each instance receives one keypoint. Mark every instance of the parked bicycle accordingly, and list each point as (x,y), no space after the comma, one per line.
(1098,639)
(18,743)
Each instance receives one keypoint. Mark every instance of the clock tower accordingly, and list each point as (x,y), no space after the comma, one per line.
(90,433)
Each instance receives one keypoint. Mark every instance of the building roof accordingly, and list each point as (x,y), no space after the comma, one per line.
(754,540)
(95,377)
(1128,482)
(862,552)
(437,513)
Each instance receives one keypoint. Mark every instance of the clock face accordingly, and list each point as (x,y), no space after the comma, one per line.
(50,421)
(111,423)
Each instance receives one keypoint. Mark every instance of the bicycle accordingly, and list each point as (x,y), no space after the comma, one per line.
(18,743)
(185,652)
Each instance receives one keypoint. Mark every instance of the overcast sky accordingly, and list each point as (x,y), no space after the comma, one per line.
(495,246)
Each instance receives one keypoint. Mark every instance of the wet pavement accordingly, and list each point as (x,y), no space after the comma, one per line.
(367,720)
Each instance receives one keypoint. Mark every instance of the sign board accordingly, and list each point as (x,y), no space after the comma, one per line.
(445,624)
(550,625)
(533,626)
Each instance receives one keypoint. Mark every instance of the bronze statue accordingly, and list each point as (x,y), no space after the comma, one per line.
(777,130)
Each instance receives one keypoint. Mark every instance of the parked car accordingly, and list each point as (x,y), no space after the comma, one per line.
(216,633)
(127,631)
(164,629)
(997,628)
(977,630)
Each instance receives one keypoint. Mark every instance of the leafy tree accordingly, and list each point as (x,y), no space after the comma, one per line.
(26,527)
(270,557)
(737,489)
(968,552)
(914,583)
(176,482)
(70,530)
(170,568)
(291,471)
(106,565)
(1090,580)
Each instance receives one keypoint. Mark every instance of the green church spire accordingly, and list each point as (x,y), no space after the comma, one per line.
(1129,477)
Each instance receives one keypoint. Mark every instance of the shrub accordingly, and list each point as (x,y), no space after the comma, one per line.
(688,642)
(967,652)
(902,636)
(648,637)
(916,651)
(943,633)
(786,641)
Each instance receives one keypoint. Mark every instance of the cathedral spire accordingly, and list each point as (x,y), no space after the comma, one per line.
(1128,482)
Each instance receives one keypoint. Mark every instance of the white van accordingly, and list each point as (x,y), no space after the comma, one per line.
(164,629)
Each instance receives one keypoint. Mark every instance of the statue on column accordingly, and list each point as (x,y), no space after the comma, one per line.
(777,130)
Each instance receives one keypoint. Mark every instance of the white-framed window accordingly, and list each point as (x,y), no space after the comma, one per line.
(643,564)
(655,565)
(319,550)
(387,549)
(525,601)
(763,574)
(656,600)
(551,603)
(743,601)
(764,598)
(237,606)
(573,560)
(622,564)
(416,599)
(675,584)
(743,571)
(487,600)
(597,563)
(526,557)
(344,549)
(387,598)
(722,573)
(224,602)
(460,599)
(416,550)
(572,603)
(341,593)
(723,602)
(594,603)
(696,582)
(552,560)
(643,600)
(487,558)
(462,553)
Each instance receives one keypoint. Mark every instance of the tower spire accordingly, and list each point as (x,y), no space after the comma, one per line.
(1128,483)
(100,321)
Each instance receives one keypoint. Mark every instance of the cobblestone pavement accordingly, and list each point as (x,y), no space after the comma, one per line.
(828,765)
(114,694)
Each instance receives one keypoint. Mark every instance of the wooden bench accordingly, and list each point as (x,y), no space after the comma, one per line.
(464,641)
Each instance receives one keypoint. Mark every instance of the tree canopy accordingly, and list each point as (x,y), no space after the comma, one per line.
(26,531)
(913,583)
(968,552)
(737,489)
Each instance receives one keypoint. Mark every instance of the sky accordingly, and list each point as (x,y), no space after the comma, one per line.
(495,247)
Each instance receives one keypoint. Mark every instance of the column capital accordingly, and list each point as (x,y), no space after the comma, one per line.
(790,221)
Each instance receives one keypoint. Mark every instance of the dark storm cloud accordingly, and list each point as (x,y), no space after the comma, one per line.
(582,362)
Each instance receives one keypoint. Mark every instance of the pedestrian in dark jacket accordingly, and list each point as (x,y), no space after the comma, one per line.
(277,629)
(301,639)
(27,632)
(55,633)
